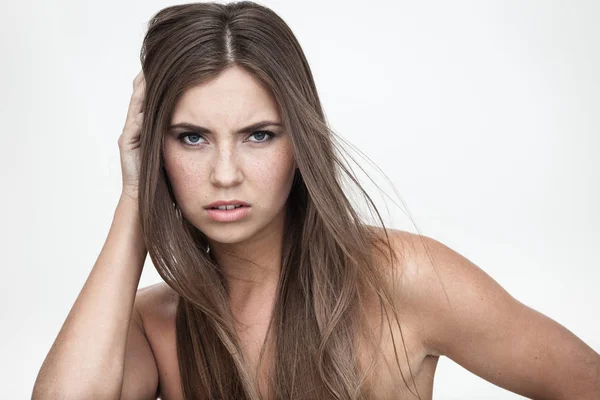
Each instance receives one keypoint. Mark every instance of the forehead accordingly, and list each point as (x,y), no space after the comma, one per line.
(233,98)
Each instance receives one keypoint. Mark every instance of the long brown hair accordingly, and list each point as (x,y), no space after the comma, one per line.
(328,261)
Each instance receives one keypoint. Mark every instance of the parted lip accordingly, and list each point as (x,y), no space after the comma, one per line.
(226,203)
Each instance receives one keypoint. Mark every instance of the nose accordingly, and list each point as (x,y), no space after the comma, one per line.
(225,169)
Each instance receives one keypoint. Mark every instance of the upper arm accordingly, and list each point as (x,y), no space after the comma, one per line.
(480,326)
(140,379)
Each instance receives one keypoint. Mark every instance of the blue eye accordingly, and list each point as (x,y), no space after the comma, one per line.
(188,135)
(260,135)
(263,135)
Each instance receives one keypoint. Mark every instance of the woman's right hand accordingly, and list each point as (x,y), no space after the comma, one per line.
(129,141)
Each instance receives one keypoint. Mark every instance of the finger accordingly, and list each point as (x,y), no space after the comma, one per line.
(135,104)
(131,132)
(138,78)
(136,101)
(139,82)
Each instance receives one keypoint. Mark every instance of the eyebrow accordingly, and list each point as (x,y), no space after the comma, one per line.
(247,129)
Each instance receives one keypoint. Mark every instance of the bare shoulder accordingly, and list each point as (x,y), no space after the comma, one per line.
(417,285)
(467,316)
(421,273)
(399,255)
(156,303)
(158,309)
(399,264)
(404,262)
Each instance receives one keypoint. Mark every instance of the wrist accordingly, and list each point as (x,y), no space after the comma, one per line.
(128,198)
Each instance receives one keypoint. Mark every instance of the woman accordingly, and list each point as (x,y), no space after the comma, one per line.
(275,287)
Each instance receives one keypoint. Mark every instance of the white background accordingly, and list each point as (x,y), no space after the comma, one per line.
(484,116)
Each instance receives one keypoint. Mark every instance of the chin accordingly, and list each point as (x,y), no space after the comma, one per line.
(227,232)
(241,231)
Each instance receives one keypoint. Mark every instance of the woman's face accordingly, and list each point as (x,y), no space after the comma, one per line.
(216,160)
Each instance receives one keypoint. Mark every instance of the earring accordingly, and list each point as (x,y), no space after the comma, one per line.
(207,248)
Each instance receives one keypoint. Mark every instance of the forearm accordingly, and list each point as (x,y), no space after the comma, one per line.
(87,357)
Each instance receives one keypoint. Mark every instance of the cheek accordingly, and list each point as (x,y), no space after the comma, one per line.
(275,172)
(186,177)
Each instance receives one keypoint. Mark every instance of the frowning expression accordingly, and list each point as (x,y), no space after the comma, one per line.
(226,141)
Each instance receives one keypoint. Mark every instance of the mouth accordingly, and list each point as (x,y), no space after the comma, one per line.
(226,208)
(228,213)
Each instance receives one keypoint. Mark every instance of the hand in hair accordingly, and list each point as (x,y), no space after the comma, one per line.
(129,140)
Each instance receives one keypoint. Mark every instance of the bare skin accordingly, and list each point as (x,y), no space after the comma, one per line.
(131,345)
(157,305)
(92,341)
(222,164)
(505,323)
(131,336)
(256,167)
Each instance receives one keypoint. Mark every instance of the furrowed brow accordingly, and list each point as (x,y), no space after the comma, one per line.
(201,129)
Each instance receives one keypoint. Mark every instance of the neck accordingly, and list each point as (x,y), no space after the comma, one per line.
(252,267)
